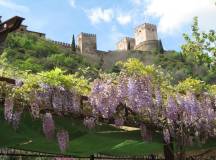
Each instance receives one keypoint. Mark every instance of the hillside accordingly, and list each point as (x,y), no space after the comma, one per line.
(28,52)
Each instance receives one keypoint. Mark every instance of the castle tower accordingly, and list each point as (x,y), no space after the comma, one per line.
(126,44)
(145,32)
(146,38)
(87,43)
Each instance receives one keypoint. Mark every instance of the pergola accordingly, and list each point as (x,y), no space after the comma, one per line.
(8,26)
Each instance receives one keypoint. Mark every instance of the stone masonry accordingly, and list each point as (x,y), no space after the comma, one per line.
(87,43)
(126,44)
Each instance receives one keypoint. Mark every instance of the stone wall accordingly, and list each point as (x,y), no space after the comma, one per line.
(87,43)
(125,44)
(145,32)
(152,46)
(110,59)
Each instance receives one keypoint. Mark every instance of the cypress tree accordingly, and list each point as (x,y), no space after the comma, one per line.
(73,45)
(161,49)
(128,46)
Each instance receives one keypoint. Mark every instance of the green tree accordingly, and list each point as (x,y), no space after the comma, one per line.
(201,45)
(73,45)
(161,49)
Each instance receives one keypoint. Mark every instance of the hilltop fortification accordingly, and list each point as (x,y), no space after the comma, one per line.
(145,39)
(87,43)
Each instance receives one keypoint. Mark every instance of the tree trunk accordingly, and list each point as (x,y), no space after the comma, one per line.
(169,150)
(181,148)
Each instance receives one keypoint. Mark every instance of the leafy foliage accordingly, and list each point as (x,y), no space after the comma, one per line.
(29,52)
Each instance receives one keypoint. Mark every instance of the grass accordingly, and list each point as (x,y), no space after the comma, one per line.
(103,139)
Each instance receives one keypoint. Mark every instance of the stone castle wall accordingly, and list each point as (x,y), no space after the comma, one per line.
(152,45)
(145,32)
(87,43)
(125,44)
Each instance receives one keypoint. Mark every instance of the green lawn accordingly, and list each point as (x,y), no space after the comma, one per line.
(103,139)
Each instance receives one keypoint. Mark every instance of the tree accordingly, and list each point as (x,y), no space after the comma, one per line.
(73,45)
(161,49)
(200,45)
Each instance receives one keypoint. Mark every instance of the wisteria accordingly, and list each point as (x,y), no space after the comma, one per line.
(166,135)
(48,126)
(104,98)
(89,122)
(139,94)
(76,103)
(146,134)
(172,109)
(8,109)
(119,121)
(63,140)
(16,119)
(58,99)
(183,117)
(35,110)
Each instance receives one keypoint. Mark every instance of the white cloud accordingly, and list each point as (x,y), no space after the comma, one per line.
(115,35)
(98,15)
(72,3)
(124,19)
(13,6)
(137,2)
(174,14)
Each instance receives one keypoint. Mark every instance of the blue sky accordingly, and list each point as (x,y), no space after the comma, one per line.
(111,19)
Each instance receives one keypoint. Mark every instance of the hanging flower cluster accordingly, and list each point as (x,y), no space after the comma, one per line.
(10,115)
(16,119)
(135,92)
(104,98)
(63,140)
(58,99)
(35,110)
(48,126)
(89,122)
(180,115)
(8,109)
(188,115)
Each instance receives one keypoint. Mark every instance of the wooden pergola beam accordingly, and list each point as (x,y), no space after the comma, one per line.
(8,80)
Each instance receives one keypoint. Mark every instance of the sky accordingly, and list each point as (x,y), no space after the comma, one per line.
(112,20)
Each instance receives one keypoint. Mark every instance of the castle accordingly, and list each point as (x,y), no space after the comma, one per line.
(145,40)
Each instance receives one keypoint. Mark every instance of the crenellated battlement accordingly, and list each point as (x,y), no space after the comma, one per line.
(147,26)
(145,32)
(62,44)
(88,34)
(126,43)
(87,42)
